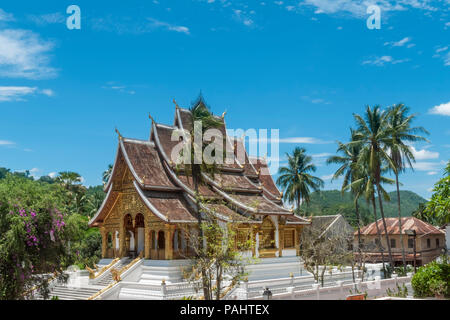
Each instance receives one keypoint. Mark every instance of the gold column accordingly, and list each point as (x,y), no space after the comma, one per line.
(147,243)
(280,240)
(104,241)
(297,239)
(122,238)
(168,234)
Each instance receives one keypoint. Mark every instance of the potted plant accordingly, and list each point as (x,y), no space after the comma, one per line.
(438,288)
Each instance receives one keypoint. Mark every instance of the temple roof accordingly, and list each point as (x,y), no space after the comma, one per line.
(408,223)
(239,192)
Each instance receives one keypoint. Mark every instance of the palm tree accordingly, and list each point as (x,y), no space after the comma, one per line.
(107,174)
(296,179)
(351,171)
(373,135)
(400,131)
(196,167)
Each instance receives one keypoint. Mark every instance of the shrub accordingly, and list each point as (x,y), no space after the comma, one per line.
(430,277)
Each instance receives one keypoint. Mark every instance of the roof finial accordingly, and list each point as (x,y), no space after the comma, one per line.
(176,104)
(223,114)
(118,133)
(150,117)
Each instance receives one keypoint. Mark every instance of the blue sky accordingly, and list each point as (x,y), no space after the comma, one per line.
(299,66)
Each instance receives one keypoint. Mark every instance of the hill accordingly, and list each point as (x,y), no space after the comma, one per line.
(330,202)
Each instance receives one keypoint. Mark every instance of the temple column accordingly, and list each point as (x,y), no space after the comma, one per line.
(147,242)
(297,240)
(122,239)
(168,234)
(104,241)
(280,240)
(253,242)
(113,244)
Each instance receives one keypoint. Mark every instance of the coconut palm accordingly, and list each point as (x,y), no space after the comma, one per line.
(107,174)
(373,136)
(348,161)
(400,131)
(296,180)
(196,167)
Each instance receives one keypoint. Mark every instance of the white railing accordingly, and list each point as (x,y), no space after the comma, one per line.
(338,291)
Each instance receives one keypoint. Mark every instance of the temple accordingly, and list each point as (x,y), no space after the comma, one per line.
(149,207)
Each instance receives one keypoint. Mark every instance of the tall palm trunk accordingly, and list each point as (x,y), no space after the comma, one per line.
(384,225)
(400,223)
(380,247)
(195,179)
(359,230)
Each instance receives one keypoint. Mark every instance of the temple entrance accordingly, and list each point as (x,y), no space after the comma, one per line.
(161,245)
(140,233)
(267,245)
(129,236)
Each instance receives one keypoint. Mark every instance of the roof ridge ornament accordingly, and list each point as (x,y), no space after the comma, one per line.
(223,114)
(118,133)
(176,104)
(151,118)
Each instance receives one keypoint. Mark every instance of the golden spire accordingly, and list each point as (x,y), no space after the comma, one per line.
(118,133)
(176,104)
(223,114)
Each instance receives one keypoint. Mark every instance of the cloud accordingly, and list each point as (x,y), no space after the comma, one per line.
(6,143)
(161,24)
(442,109)
(426,166)
(432,173)
(49,18)
(23,54)
(322,155)
(327,177)
(119,88)
(424,154)
(381,61)
(10,93)
(4,16)
(242,17)
(399,43)
(53,174)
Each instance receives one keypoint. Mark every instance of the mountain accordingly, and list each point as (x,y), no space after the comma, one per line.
(331,202)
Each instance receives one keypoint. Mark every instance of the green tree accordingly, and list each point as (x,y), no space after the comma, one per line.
(374,137)
(296,179)
(438,208)
(400,131)
(107,174)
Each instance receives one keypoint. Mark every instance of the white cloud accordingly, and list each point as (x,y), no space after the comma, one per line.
(4,16)
(399,43)
(442,109)
(11,93)
(240,16)
(171,27)
(321,155)
(424,154)
(53,174)
(6,143)
(431,173)
(426,166)
(381,61)
(49,18)
(119,88)
(327,177)
(23,54)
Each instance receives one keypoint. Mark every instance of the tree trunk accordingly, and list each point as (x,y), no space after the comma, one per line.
(380,201)
(380,247)
(195,179)
(400,224)
(359,229)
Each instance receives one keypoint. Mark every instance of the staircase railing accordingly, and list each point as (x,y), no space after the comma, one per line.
(92,274)
(116,277)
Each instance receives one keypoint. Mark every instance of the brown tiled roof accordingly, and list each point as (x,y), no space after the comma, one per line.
(146,163)
(408,223)
(266,178)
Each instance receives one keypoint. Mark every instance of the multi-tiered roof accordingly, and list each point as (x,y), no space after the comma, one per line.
(240,192)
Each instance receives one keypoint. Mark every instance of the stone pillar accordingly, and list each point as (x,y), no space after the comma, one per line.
(147,243)
(253,235)
(280,240)
(104,241)
(168,234)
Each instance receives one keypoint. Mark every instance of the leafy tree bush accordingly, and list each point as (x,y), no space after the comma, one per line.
(424,281)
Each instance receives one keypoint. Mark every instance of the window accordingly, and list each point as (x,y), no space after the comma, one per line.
(393,243)
(428,243)
(437,243)
(289,238)
(410,243)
